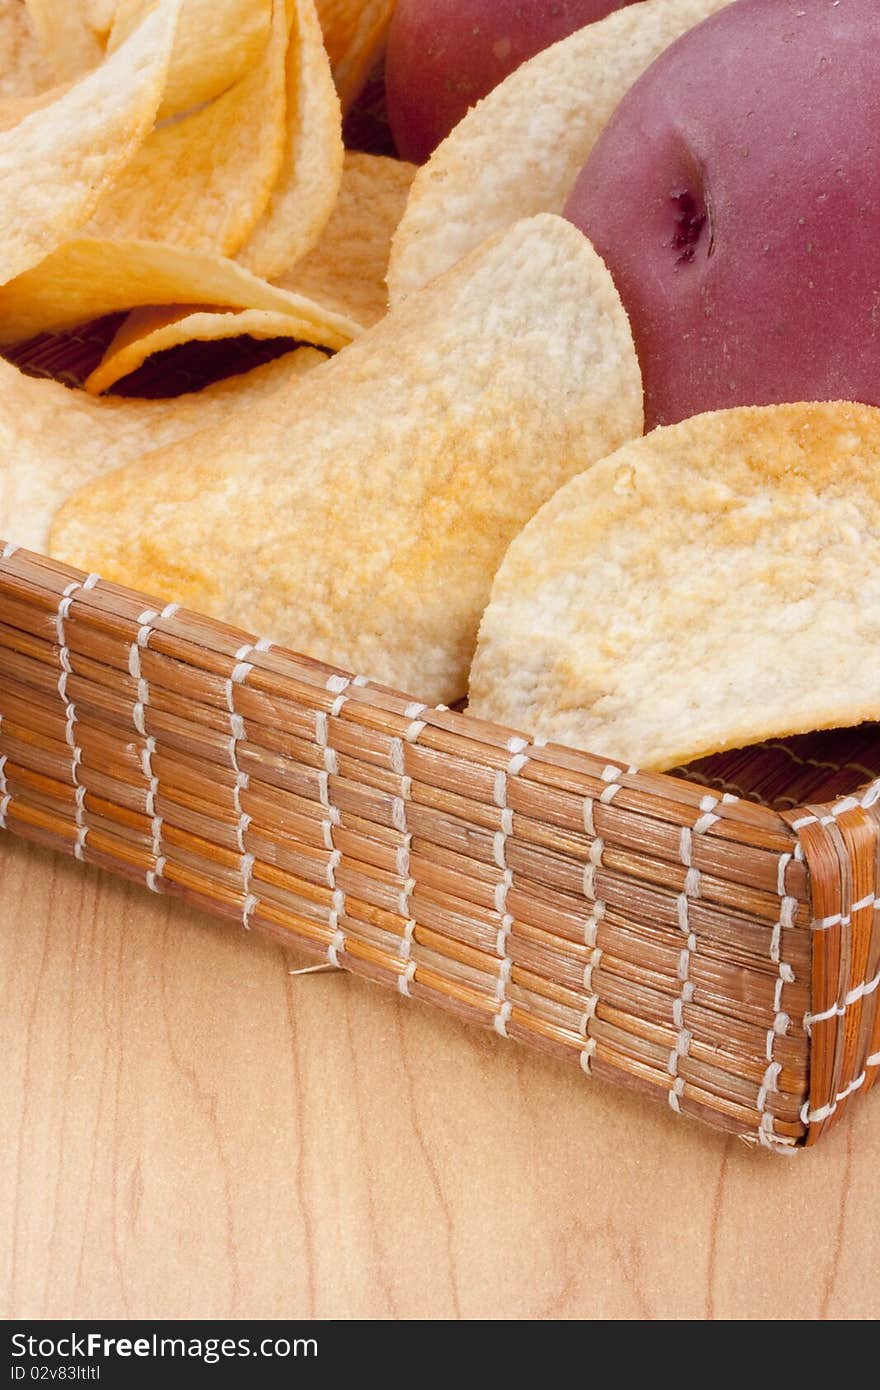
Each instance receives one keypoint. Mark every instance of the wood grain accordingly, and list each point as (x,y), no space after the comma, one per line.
(190,1131)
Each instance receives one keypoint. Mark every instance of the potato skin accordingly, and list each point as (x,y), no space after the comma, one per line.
(735,197)
(444,55)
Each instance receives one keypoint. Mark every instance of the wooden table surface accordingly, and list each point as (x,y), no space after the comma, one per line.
(190,1131)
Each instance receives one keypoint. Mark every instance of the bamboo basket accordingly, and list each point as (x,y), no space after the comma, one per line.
(710,939)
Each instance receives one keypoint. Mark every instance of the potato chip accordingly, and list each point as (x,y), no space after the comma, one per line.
(24,70)
(14,109)
(86,278)
(361,517)
(344,275)
(64,34)
(302,201)
(53,440)
(354,36)
(100,15)
(55,163)
(346,271)
(147,331)
(203,181)
(709,586)
(218,41)
(520,150)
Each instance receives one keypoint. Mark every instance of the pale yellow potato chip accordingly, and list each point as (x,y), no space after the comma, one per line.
(354,36)
(520,150)
(346,271)
(147,331)
(56,162)
(14,109)
(218,41)
(87,277)
(301,202)
(203,181)
(24,69)
(709,586)
(53,440)
(361,517)
(100,15)
(64,34)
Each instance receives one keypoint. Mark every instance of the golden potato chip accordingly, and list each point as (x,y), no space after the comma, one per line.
(204,180)
(346,270)
(56,162)
(706,587)
(53,440)
(146,331)
(218,41)
(24,69)
(520,150)
(64,34)
(86,278)
(302,200)
(361,517)
(354,36)
(344,276)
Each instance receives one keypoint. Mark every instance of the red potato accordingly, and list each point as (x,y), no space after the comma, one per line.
(444,55)
(735,197)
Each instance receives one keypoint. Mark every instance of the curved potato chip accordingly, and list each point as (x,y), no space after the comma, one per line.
(64,34)
(86,278)
(146,331)
(520,150)
(100,15)
(218,41)
(14,109)
(204,181)
(55,163)
(24,70)
(53,439)
(346,270)
(302,200)
(706,587)
(354,36)
(344,275)
(361,517)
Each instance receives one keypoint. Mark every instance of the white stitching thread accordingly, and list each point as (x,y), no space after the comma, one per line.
(238,734)
(518,748)
(858,992)
(140,644)
(61,616)
(333,817)
(826,1111)
(781,1021)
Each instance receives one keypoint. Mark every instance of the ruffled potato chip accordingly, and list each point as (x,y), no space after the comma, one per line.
(520,150)
(53,440)
(361,517)
(57,161)
(204,180)
(302,200)
(218,42)
(147,331)
(86,278)
(354,35)
(709,586)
